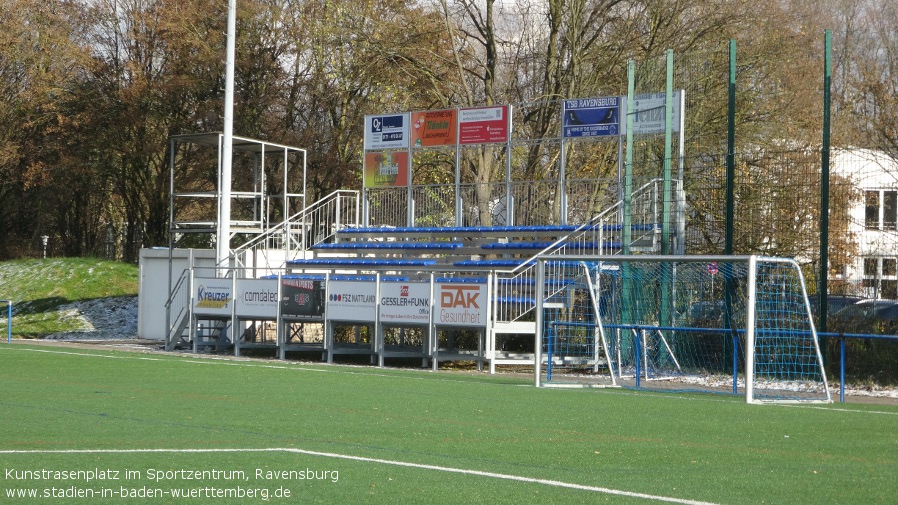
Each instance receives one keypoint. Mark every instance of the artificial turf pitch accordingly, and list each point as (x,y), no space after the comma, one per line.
(93,426)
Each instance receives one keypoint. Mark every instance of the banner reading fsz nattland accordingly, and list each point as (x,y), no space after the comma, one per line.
(352,301)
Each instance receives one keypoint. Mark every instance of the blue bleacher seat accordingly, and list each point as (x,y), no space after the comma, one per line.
(458,230)
(345,246)
(462,280)
(362,262)
(491,263)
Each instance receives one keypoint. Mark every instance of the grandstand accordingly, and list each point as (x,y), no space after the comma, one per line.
(326,281)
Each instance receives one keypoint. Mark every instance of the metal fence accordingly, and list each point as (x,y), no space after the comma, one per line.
(860,361)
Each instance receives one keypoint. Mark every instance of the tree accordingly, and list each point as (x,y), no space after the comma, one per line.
(157,71)
(867,93)
(41,53)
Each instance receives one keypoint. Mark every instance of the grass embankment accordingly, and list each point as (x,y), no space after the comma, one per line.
(39,287)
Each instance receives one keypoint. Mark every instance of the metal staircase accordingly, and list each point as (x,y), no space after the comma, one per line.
(262,254)
(516,290)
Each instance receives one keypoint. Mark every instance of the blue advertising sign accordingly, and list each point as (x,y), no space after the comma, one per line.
(387,132)
(591,117)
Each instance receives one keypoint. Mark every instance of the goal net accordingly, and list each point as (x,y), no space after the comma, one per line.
(725,324)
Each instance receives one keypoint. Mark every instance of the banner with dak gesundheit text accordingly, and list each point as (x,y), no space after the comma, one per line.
(461,304)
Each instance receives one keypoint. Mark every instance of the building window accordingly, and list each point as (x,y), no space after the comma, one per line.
(889,267)
(889,209)
(881,277)
(888,289)
(881,209)
(871,267)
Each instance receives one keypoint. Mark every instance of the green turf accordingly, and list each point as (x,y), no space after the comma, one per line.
(688,447)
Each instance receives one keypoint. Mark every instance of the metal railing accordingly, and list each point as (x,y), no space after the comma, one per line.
(316,223)
(520,203)
(837,350)
(603,234)
(8,320)
(177,308)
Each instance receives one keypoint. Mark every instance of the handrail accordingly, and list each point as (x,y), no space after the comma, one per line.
(176,288)
(568,244)
(178,298)
(326,213)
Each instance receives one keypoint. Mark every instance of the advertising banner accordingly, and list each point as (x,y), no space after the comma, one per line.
(461,304)
(386,169)
(403,302)
(351,301)
(386,132)
(650,112)
(483,125)
(302,299)
(212,297)
(257,298)
(434,128)
(591,117)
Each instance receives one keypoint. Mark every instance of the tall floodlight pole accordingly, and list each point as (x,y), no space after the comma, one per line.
(223,244)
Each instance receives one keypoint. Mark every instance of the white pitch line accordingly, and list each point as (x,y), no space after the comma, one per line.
(448,469)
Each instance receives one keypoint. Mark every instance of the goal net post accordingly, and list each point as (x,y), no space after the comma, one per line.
(723,324)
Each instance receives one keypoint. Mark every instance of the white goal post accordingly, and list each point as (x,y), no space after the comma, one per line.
(722,324)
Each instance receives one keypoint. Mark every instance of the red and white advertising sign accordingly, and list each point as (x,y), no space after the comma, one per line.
(404,302)
(483,125)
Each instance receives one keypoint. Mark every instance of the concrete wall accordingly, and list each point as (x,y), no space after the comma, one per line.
(154,285)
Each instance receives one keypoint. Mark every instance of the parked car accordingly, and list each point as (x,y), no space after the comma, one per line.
(867,316)
(834,303)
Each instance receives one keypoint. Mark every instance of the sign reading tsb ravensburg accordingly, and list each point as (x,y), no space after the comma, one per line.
(591,117)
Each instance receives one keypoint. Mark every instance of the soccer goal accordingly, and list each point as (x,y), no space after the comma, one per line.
(725,324)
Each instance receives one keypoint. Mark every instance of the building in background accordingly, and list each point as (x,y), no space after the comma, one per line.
(873,220)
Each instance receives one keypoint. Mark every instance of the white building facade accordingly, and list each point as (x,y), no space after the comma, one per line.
(873,220)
